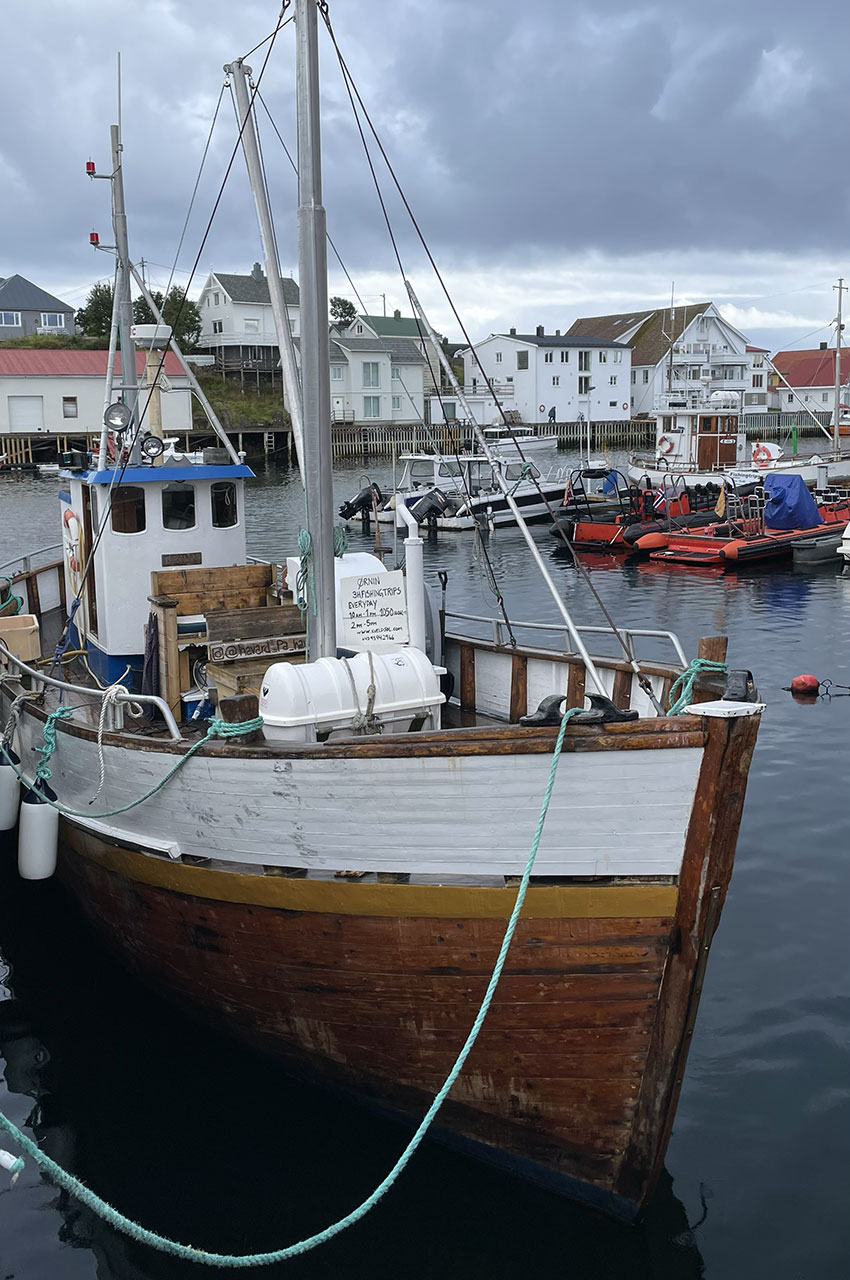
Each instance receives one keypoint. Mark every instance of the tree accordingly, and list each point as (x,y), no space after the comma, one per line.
(176,310)
(95,316)
(342,310)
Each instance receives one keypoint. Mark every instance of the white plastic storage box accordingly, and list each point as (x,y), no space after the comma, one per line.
(316,701)
(20,634)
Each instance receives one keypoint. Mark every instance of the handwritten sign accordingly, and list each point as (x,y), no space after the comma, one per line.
(374,610)
(267,647)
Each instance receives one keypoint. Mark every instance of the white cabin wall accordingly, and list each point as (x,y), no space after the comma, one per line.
(88,393)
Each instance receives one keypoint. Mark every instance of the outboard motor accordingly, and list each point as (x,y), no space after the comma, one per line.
(432,504)
(362,502)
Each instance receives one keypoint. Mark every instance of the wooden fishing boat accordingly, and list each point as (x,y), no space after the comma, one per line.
(333,883)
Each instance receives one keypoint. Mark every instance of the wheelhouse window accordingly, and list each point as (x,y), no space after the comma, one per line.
(223,504)
(178,506)
(128,509)
(69,406)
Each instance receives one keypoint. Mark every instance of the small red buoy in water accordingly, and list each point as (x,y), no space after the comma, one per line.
(808,685)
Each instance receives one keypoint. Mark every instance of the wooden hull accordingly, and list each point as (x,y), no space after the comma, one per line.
(374,986)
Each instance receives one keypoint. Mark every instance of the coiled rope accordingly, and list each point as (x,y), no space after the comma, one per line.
(154,1241)
(681,693)
(217,729)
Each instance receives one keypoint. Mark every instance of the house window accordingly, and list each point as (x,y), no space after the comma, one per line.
(396,374)
(603,357)
(53,319)
(824,395)
(547,358)
(790,398)
(217,298)
(12,319)
(371,406)
(371,373)
(612,404)
(396,402)
(336,373)
(498,357)
(449,410)
(178,506)
(208,300)
(252,325)
(758,362)
(359,329)
(565,357)
(584,361)
(556,381)
(617,357)
(218,326)
(758,379)
(634,376)
(612,381)
(646,375)
(522,359)
(128,509)
(584,385)
(69,406)
(223,504)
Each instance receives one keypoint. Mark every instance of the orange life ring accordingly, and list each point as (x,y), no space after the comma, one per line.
(665,445)
(761,455)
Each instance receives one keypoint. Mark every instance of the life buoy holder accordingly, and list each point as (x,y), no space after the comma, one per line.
(666,445)
(72,538)
(761,455)
(541,408)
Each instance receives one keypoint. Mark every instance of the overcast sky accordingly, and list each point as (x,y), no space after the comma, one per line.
(562,158)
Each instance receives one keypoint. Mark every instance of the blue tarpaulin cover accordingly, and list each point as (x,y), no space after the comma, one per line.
(789,504)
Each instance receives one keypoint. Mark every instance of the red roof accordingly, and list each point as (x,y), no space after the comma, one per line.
(749,348)
(46,362)
(812,368)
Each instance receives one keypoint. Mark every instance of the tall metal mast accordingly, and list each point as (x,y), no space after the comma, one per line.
(124,307)
(239,74)
(315,362)
(838,327)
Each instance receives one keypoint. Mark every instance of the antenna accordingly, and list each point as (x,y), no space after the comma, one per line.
(118,56)
(841,287)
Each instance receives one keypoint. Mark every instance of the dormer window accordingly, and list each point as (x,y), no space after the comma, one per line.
(359,329)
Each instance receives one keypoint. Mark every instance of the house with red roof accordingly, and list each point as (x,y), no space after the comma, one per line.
(61,392)
(808,380)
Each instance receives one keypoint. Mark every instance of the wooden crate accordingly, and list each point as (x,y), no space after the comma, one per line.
(243,677)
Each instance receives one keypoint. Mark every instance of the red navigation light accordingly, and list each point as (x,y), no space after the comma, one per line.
(94,238)
(90,168)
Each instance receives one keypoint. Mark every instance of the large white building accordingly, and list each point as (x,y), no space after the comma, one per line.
(537,376)
(60,392)
(690,349)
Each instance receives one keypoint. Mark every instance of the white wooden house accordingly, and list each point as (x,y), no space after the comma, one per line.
(538,376)
(237,325)
(691,349)
(808,380)
(49,392)
(375,379)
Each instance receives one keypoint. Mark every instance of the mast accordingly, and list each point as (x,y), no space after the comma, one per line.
(239,74)
(124,304)
(672,338)
(315,362)
(838,327)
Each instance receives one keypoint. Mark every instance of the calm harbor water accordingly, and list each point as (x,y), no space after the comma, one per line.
(200,1139)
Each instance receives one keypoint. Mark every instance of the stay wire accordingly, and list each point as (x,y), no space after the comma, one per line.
(117,478)
(352,89)
(454,436)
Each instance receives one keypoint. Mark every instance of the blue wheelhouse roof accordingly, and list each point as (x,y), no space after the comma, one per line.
(161,475)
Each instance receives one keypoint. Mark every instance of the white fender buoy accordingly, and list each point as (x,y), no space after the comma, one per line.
(38,835)
(10,791)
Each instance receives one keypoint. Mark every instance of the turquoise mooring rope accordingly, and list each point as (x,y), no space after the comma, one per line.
(164,1245)
(682,690)
(217,729)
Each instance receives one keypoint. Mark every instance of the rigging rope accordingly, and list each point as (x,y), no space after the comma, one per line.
(682,690)
(174,1248)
